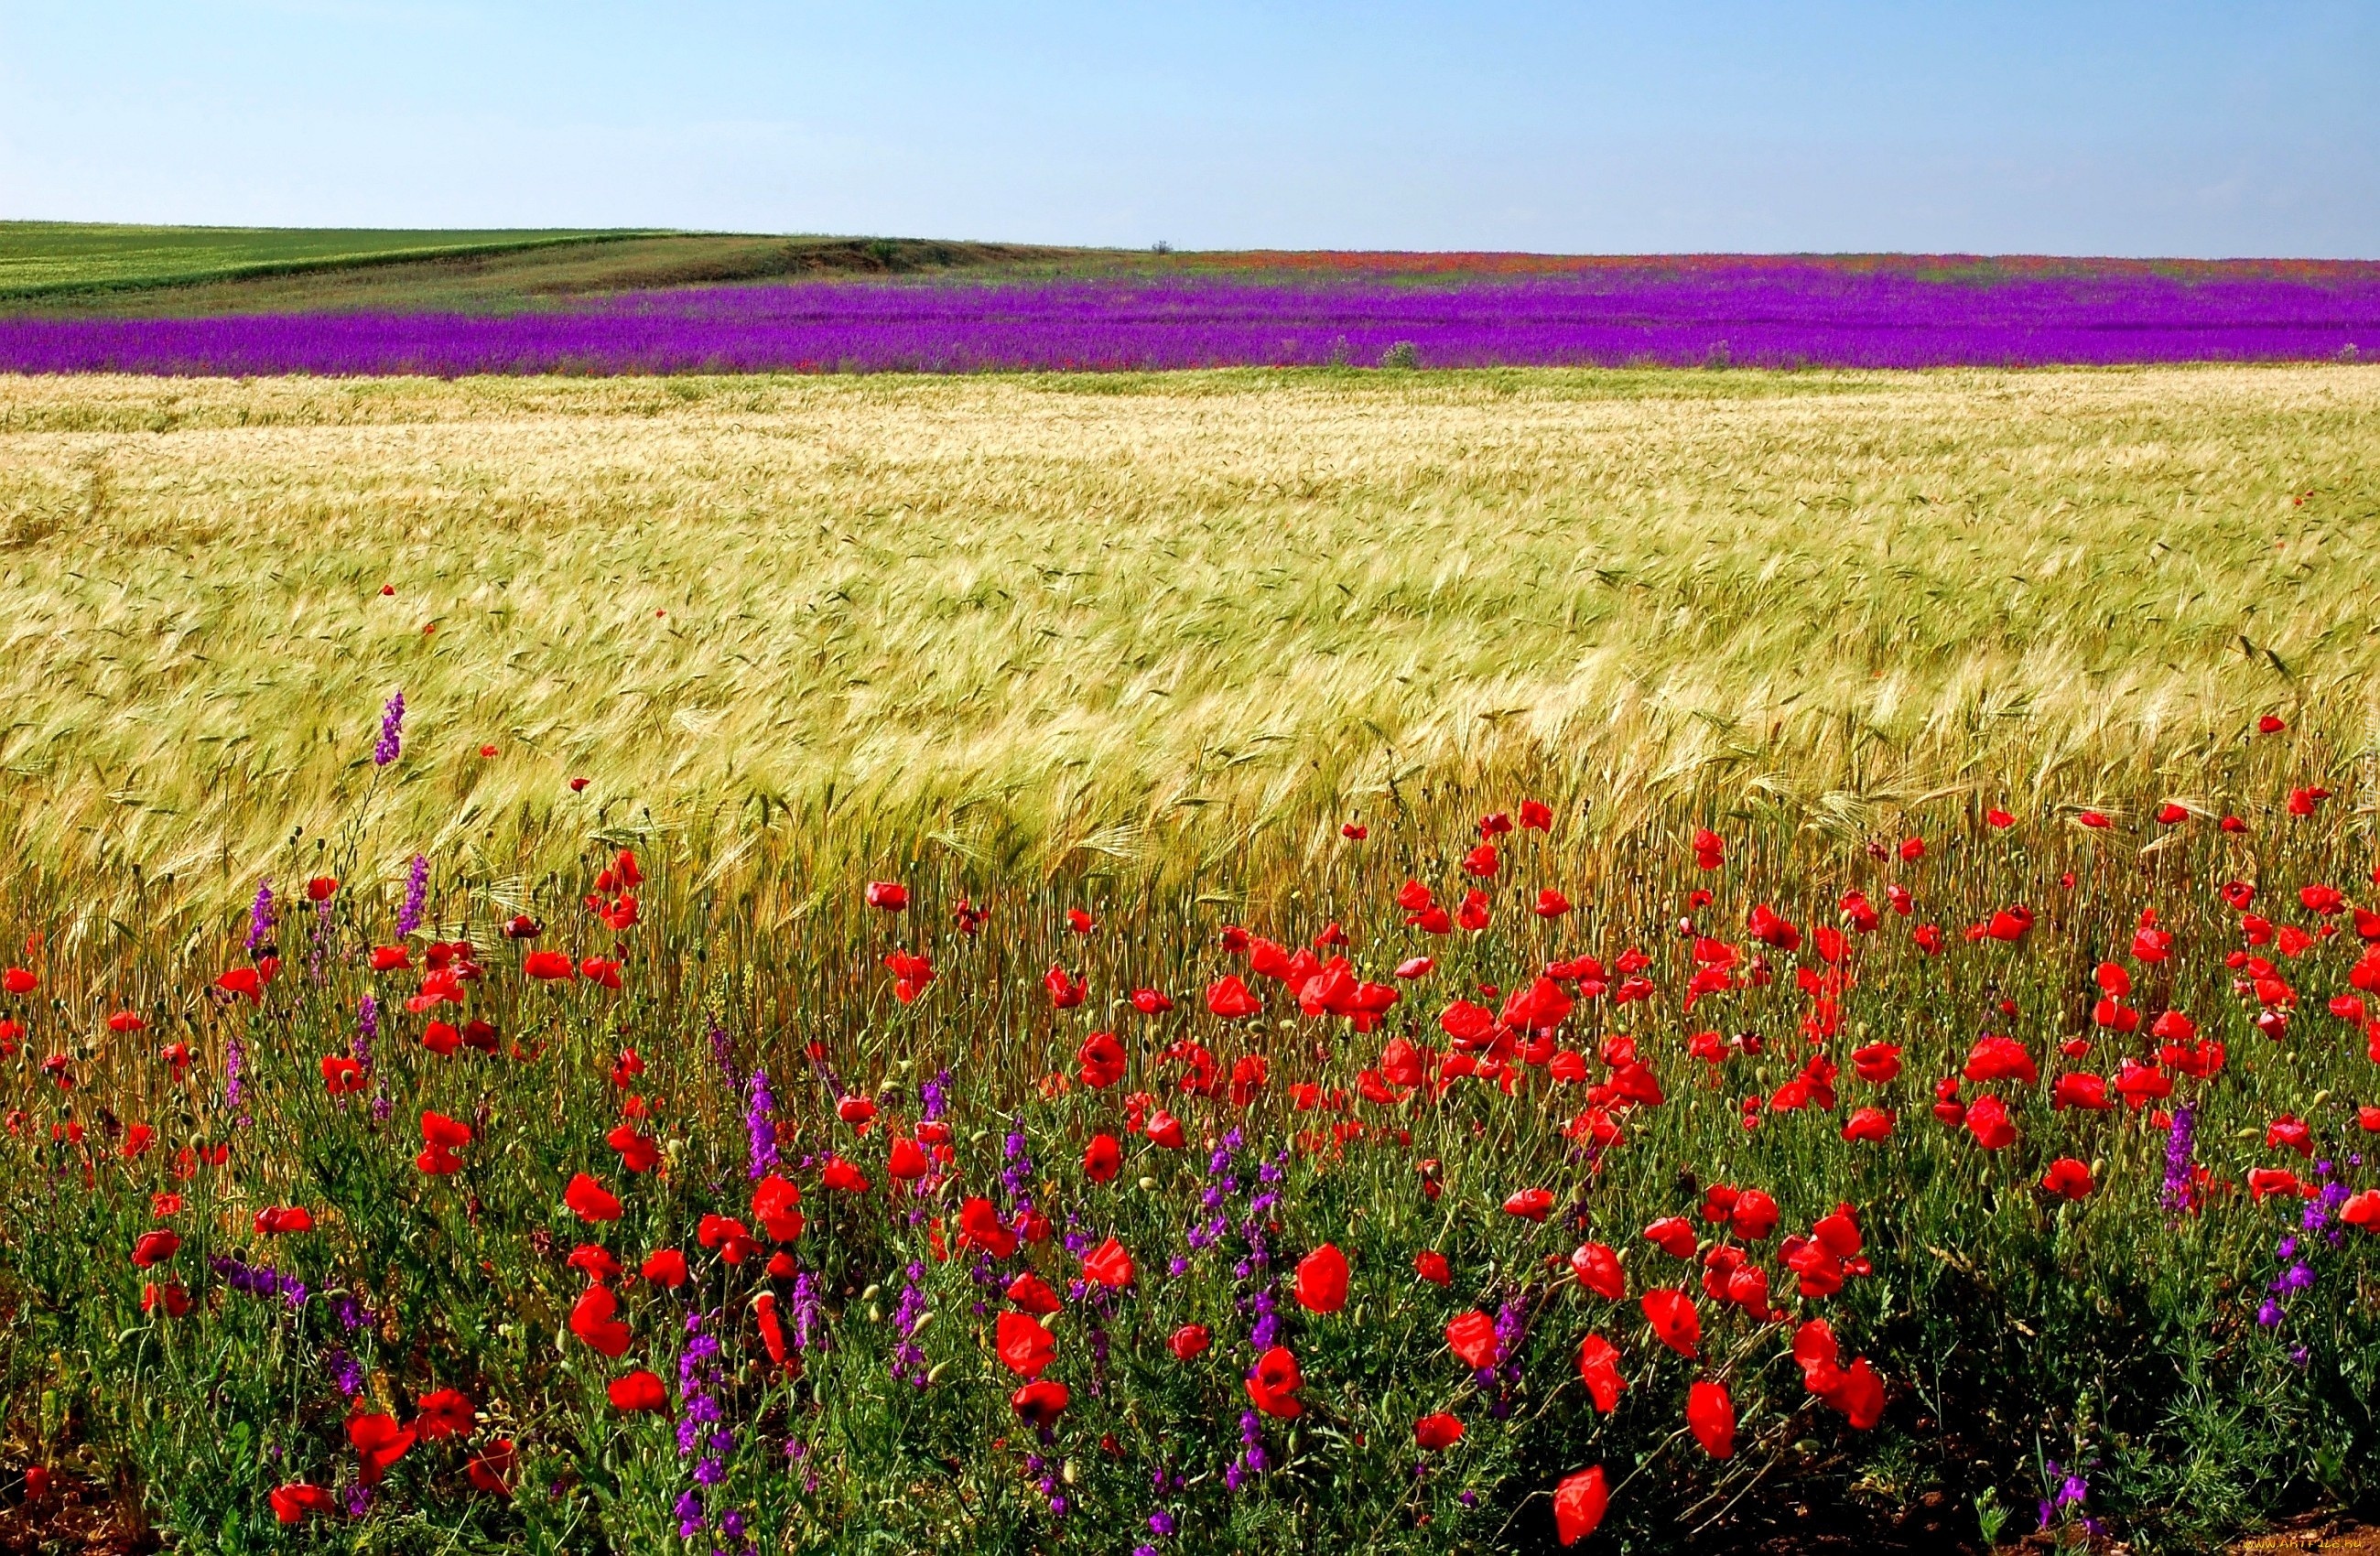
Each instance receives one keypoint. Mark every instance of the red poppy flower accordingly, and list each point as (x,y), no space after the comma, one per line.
(1039,1403)
(1767,926)
(1109,1264)
(1598,1368)
(595,1261)
(889,896)
(639,1391)
(1674,1236)
(1190,1340)
(776,1205)
(842,1177)
(379,1443)
(664,1267)
(17,980)
(906,1161)
(1100,1061)
(1868,1125)
(273,1220)
(590,1200)
(1675,1322)
(1988,1121)
(442,1413)
(152,1248)
(293,1501)
(171,1296)
(1710,1414)
(1579,1503)
(1273,1386)
(1102,1159)
(1431,1266)
(1530,1204)
(2270,724)
(1354,831)
(1165,1129)
(638,1153)
(2067,1178)
(1472,1337)
(491,1468)
(980,1225)
(1150,1002)
(1876,1064)
(594,1319)
(1597,1269)
(1322,1280)
(1434,1432)
(1229,999)
(1026,1347)
(441,1137)
(549,965)
(1065,992)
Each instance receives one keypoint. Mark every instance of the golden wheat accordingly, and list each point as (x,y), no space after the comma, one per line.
(1186,621)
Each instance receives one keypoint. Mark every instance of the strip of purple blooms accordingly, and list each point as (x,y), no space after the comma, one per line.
(1765,312)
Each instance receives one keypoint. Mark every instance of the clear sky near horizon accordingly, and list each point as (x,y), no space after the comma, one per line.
(2119,128)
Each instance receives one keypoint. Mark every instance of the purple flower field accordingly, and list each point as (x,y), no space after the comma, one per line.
(1750,312)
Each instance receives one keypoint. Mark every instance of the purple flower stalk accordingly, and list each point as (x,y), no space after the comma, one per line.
(2180,1144)
(367,1031)
(391,731)
(701,1435)
(760,1124)
(233,1057)
(345,1371)
(416,896)
(1017,1171)
(254,1280)
(908,1360)
(808,1315)
(259,918)
(722,1052)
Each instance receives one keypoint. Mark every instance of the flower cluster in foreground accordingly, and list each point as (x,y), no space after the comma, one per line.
(1500,1179)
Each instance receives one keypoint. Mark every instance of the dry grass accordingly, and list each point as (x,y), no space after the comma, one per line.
(1187,622)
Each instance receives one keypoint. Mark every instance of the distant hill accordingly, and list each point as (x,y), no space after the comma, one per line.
(66,267)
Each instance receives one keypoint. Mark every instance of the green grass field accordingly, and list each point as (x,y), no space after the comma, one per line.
(65,267)
(51,259)
(1185,684)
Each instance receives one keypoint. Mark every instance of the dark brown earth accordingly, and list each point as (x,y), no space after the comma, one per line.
(79,1517)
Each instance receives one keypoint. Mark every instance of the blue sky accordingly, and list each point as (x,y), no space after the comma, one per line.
(1664,124)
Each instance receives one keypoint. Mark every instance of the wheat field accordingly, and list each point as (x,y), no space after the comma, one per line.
(1180,623)
(702,679)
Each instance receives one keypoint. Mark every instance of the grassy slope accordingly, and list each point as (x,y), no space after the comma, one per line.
(1159,622)
(66,267)
(48,258)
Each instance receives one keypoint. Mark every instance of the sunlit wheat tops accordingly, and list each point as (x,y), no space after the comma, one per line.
(1184,624)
